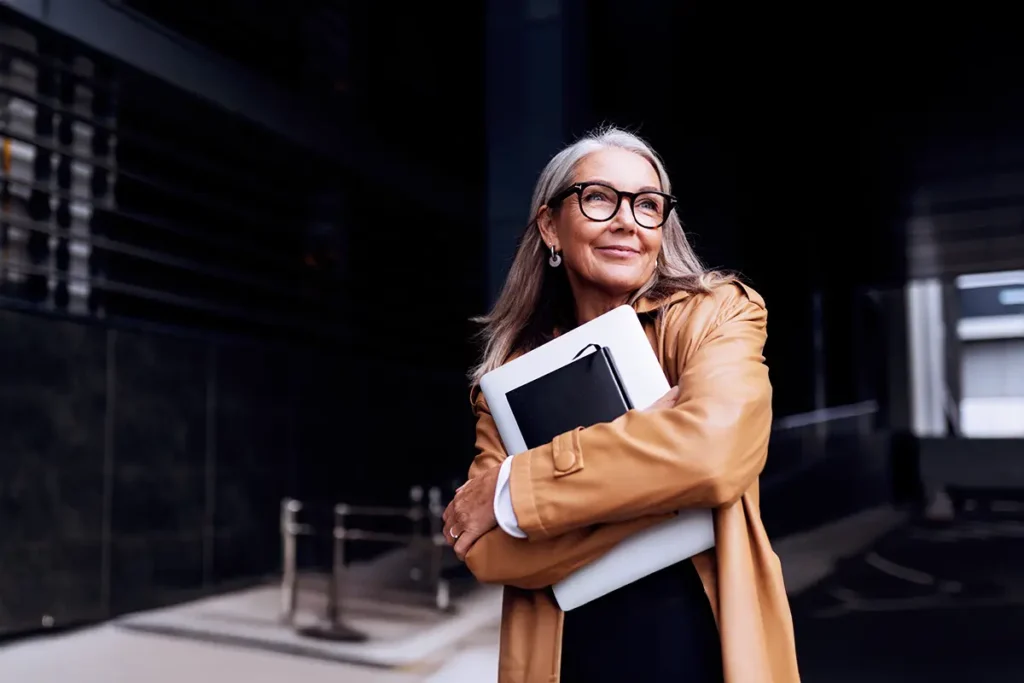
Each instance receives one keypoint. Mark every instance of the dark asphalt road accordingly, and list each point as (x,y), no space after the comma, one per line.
(932,602)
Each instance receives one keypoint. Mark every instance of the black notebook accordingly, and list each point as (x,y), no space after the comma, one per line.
(585,392)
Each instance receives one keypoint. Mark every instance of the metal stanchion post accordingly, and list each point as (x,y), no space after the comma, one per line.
(442,596)
(289,570)
(337,565)
(419,547)
(332,628)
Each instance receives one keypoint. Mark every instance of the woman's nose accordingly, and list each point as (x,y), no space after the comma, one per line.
(624,218)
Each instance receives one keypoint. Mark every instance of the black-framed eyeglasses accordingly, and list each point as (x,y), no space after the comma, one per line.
(600,202)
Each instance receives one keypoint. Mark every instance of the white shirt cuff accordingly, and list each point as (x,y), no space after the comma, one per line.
(503,510)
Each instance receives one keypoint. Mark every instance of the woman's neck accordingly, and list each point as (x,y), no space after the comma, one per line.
(591,304)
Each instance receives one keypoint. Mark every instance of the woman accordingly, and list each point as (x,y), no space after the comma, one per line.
(605,233)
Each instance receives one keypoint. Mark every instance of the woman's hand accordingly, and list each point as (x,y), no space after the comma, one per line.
(470,515)
(669,400)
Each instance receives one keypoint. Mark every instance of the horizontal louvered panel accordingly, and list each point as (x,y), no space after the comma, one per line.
(968,257)
(965,193)
(968,217)
(143,202)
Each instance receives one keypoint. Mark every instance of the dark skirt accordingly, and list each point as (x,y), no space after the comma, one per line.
(659,629)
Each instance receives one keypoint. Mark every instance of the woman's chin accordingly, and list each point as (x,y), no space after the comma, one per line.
(620,282)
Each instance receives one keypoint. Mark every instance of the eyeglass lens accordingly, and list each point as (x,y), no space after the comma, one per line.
(599,203)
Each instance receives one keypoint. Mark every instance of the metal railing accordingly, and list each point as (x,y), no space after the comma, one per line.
(801,442)
(426,535)
(825,416)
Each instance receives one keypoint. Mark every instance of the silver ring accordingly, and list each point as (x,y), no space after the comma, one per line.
(454,535)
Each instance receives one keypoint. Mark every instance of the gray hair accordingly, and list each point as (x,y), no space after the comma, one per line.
(522,318)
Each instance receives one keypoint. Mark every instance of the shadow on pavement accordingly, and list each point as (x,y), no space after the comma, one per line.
(929,602)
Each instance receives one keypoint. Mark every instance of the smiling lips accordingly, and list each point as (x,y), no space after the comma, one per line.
(619,251)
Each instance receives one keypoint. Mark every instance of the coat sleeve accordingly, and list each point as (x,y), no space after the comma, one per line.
(703,453)
(499,558)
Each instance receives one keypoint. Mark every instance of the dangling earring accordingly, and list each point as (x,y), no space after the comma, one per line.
(556,258)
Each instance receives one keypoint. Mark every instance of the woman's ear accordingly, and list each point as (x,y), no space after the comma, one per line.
(546,226)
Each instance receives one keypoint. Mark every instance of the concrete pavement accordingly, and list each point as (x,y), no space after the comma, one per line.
(876,598)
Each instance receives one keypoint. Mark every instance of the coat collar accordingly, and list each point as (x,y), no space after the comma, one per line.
(647,305)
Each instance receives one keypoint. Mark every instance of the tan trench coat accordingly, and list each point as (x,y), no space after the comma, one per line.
(707,452)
